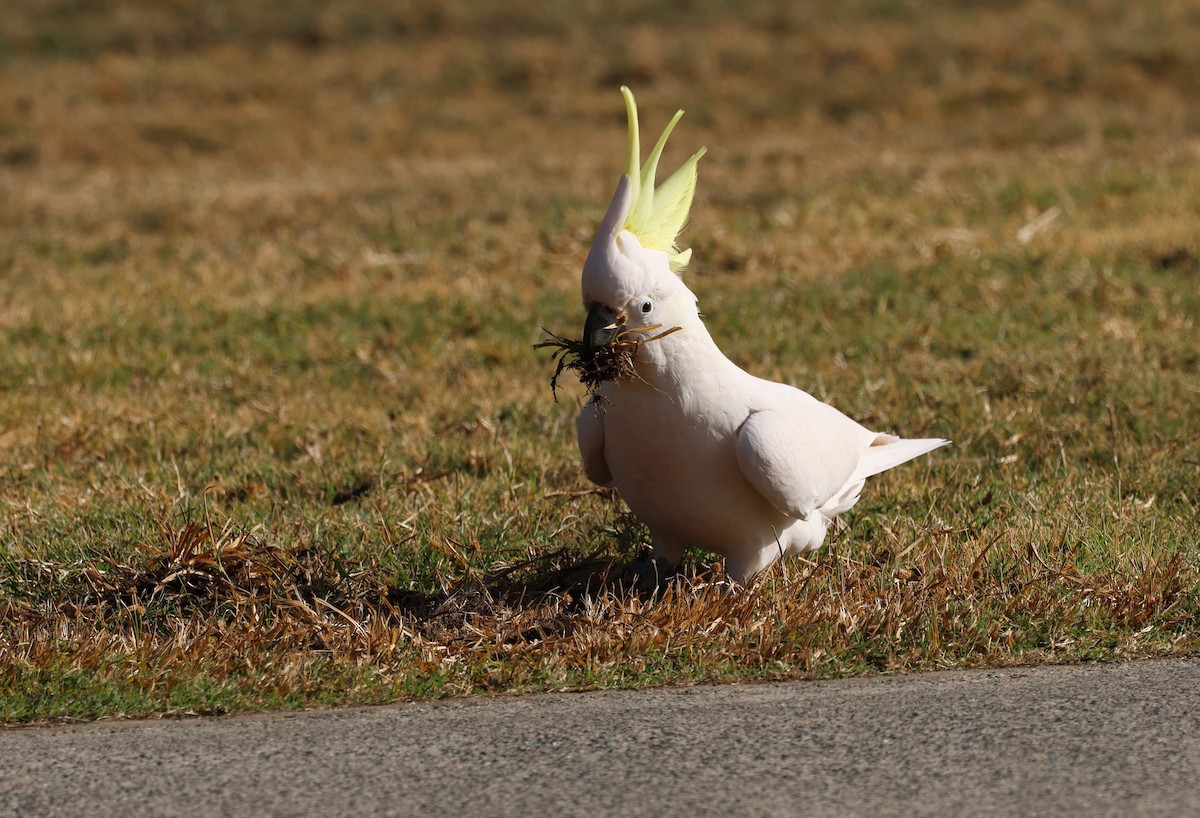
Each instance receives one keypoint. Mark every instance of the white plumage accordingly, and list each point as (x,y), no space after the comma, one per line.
(705,454)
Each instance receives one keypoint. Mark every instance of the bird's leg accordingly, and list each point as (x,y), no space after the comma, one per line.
(651,574)
(742,566)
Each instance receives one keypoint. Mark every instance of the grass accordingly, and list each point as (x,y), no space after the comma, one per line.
(274,434)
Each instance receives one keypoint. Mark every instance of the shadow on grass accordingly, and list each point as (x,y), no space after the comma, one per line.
(229,573)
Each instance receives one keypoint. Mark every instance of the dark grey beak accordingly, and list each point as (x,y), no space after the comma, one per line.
(600,327)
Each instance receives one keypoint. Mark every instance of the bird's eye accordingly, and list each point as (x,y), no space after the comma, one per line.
(646,307)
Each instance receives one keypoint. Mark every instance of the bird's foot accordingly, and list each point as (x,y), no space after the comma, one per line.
(648,575)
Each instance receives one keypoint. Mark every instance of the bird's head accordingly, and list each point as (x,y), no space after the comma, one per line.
(631,277)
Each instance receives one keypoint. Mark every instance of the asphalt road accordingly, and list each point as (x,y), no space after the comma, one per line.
(1121,740)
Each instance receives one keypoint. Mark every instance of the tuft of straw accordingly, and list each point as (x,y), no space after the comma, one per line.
(612,362)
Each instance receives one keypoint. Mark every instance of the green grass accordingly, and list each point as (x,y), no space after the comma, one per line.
(274,434)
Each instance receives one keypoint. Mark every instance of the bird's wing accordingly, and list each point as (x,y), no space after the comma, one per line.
(590,431)
(798,459)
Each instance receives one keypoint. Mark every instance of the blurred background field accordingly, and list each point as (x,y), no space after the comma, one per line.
(272,432)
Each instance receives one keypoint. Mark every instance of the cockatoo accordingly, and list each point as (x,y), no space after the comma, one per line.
(703,453)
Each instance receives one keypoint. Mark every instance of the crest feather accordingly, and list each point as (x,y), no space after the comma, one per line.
(657,216)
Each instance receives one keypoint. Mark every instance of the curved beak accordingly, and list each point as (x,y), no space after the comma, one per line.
(600,328)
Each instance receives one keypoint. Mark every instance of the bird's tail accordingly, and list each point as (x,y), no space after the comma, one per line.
(889,451)
(886,452)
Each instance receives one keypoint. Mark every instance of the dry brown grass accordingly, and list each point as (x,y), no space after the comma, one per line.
(238,609)
(272,433)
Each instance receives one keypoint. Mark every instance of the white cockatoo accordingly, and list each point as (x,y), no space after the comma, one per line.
(704,453)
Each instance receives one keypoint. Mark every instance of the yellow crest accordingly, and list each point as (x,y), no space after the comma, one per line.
(657,216)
